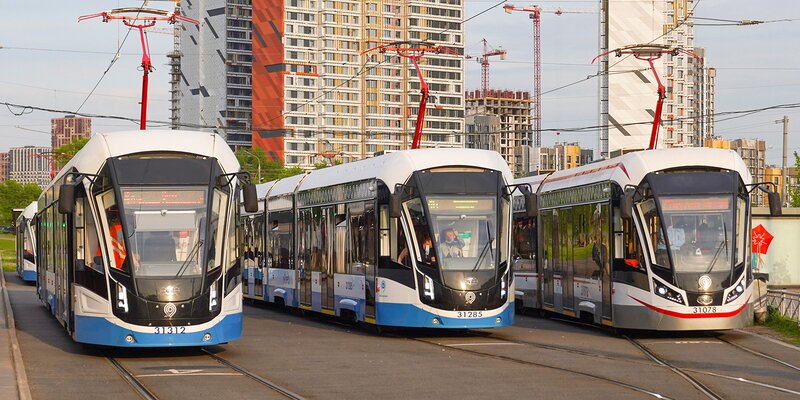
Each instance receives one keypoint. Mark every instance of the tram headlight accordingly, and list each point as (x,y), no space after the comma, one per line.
(122,297)
(428,287)
(667,293)
(735,293)
(503,290)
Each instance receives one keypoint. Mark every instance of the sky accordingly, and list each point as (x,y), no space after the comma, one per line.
(49,60)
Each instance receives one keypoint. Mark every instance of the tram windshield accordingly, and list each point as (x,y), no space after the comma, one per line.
(696,232)
(464,232)
(166,230)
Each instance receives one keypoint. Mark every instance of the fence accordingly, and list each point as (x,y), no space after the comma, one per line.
(786,303)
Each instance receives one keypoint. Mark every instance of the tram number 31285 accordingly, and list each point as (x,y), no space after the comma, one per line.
(169,330)
(469,314)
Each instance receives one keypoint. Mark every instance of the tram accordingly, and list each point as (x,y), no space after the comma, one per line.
(26,243)
(136,240)
(652,240)
(416,238)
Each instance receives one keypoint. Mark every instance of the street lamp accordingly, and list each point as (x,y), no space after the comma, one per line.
(258,160)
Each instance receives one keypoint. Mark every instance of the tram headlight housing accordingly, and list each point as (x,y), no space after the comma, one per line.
(503,286)
(427,289)
(736,292)
(663,291)
(213,299)
(122,297)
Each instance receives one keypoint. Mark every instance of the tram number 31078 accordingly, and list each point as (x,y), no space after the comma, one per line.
(469,314)
(704,310)
(169,330)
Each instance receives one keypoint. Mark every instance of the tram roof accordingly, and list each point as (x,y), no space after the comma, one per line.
(102,146)
(631,168)
(29,211)
(392,168)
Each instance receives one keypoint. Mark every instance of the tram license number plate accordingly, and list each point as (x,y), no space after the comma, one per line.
(704,310)
(470,314)
(170,330)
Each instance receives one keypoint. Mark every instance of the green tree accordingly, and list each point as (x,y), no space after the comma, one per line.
(65,153)
(794,192)
(262,168)
(16,195)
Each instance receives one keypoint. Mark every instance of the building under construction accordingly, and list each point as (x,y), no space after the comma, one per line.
(501,121)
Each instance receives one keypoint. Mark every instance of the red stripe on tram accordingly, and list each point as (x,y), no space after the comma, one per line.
(684,315)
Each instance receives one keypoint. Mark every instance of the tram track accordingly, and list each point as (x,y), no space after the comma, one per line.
(134,382)
(701,387)
(147,393)
(683,372)
(615,382)
(265,382)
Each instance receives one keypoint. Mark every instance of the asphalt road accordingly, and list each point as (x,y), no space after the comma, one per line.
(318,358)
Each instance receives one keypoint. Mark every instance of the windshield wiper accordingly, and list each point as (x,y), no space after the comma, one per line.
(487,248)
(716,255)
(185,264)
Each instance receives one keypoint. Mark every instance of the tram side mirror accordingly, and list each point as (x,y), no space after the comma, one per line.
(626,203)
(394,204)
(250,197)
(66,199)
(775,208)
(531,205)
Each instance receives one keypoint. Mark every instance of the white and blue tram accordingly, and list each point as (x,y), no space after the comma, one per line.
(655,240)
(137,242)
(26,243)
(414,238)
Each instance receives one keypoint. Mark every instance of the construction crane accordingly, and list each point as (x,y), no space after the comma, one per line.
(483,60)
(535,15)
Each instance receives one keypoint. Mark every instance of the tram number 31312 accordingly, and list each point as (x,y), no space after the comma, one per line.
(704,310)
(169,330)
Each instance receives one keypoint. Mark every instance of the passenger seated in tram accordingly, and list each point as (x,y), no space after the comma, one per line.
(452,244)
(428,255)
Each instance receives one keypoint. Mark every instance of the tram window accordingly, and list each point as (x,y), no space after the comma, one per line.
(424,241)
(219,208)
(403,253)
(281,237)
(524,243)
(341,249)
(319,239)
(586,242)
(741,226)
(115,240)
(632,247)
(233,240)
(655,235)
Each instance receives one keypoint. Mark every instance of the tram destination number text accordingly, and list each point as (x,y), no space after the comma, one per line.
(170,330)
(704,310)
(469,314)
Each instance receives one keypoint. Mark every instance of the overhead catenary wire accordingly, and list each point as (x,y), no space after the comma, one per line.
(734,114)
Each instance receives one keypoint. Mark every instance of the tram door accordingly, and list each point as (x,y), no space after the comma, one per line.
(304,220)
(548,258)
(606,285)
(328,242)
(370,270)
(62,229)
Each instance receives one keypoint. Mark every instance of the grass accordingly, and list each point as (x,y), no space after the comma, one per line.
(785,326)
(8,251)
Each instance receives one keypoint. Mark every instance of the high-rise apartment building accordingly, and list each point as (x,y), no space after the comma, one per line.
(30,164)
(4,167)
(559,157)
(215,69)
(753,153)
(65,130)
(513,133)
(627,85)
(318,95)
